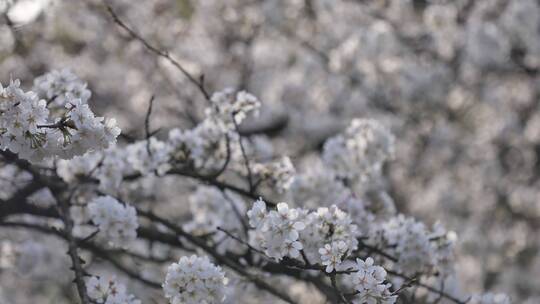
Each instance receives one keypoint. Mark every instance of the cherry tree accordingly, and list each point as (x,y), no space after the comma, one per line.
(213,211)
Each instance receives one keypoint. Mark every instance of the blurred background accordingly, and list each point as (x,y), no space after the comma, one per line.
(456,81)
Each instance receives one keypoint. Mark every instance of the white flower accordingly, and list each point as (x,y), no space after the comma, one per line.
(33,132)
(116,222)
(245,103)
(57,85)
(203,146)
(257,213)
(107,290)
(326,226)
(292,248)
(331,255)
(411,242)
(194,280)
(154,162)
(280,173)
(368,281)
(278,230)
(227,106)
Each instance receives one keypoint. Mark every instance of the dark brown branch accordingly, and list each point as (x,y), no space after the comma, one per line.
(147,125)
(341,296)
(72,251)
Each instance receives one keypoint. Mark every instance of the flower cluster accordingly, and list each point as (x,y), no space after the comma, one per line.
(417,248)
(411,241)
(148,156)
(331,254)
(369,282)
(365,146)
(21,115)
(208,144)
(58,87)
(117,222)
(107,166)
(329,228)
(29,128)
(278,230)
(285,231)
(359,210)
(194,280)
(280,174)
(203,146)
(229,108)
(106,290)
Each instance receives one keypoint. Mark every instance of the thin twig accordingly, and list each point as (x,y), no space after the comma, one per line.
(440,296)
(147,133)
(246,159)
(198,83)
(227,159)
(229,234)
(237,212)
(428,287)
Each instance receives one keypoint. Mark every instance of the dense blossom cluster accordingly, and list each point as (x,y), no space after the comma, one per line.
(117,222)
(284,232)
(411,241)
(331,254)
(194,280)
(148,156)
(34,129)
(60,86)
(417,248)
(229,109)
(201,147)
(369,281)
(106,290)
(365,145)
(329,228)
(279,174)
(278,230)
(325,235)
